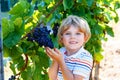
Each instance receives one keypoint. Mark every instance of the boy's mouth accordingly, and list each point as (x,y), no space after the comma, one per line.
(73,42)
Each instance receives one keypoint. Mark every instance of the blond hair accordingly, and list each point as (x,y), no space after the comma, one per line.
(76,22)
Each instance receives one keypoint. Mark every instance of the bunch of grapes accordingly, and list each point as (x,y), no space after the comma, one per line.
(12,77)
(55,29)
(41,35)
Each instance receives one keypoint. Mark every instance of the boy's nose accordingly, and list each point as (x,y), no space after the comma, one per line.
(72,36)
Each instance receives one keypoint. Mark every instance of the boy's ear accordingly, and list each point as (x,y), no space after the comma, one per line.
(85,39)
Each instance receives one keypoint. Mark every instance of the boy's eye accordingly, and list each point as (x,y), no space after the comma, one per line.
(78,33)
(67,33)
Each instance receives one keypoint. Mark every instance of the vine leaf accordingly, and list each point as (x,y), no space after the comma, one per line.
(18,22)
(68,4)
(109,31)
(79,1)
(26,75)
(89,2)
(19,8)
(98,57)
(7,27)
(12,39)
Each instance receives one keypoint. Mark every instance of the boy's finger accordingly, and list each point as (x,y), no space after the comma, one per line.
(57,51)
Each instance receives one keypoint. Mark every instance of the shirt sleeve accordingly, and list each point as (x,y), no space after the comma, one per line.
(83,65)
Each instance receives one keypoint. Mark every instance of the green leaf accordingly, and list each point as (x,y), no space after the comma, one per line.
(6,51)
(18,22)
(116,19)
(12,67)
(15,54)
(79,1)
(89,2)
(43,58)
(19,49)
(98,57)
(107,14)
(36,72)
(81,11)
(48,1)
(27,74)
(27,47)
(109,31)
(31,10)
(117,4)
(35,58)
(68,4)
(7,27)
(19,8)
(98,29)
(40,49)
(15,57)
(12,39)
(20,63)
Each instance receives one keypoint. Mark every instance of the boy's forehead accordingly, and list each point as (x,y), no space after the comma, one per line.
(72,27)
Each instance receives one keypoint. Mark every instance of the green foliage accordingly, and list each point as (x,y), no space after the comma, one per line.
(20,8)
(68,4)
(30,60)
(7,27)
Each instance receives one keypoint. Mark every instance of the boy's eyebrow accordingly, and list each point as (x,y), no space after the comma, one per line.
(67,31)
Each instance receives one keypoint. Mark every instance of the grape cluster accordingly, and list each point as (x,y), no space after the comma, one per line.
(41,35)
(55,29)
(12,77)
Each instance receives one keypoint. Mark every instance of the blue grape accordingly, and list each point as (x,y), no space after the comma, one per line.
(41,35)
(12,77)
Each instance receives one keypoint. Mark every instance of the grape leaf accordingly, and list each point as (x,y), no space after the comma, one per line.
(26,75)
(89,2)
(12,67)
(12,39)
(98,57)
(19,8)
(79,1)
(20,63)
(18,22)
(7,27)
(109,31)
(68,4)
(36,72)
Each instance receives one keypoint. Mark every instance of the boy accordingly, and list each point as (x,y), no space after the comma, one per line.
(72,61)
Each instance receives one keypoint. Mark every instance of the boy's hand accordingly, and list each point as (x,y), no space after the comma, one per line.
(55,54)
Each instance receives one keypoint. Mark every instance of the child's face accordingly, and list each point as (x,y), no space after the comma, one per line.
(73,39)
